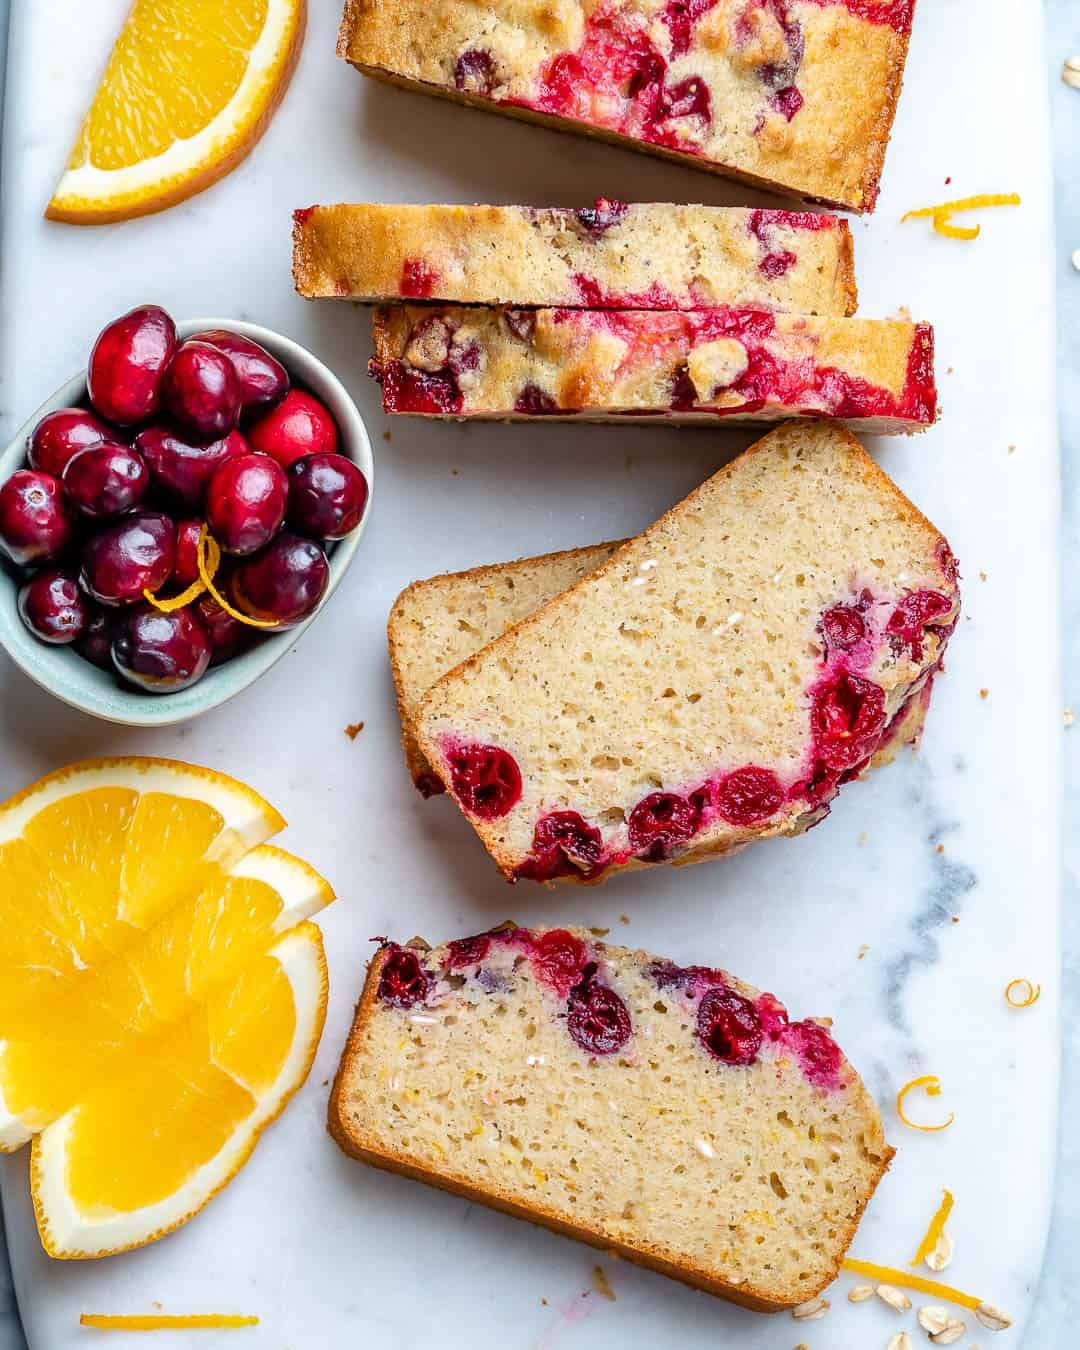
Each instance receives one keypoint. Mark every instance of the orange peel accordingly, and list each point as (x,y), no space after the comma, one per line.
(888,1275)
(1034,993)
(943,213)
(936,1228)
(207,542)
(174,602)
(932,1083)
(165,1322)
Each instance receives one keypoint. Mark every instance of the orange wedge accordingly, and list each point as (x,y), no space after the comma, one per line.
(190,87)
(162,994)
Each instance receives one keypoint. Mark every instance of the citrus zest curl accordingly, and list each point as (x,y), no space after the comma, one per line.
(166,1322)
(937,1227)
(196,588)
(887,1275)
(207,542)
(1032,994)
(943,213)
(932,1083)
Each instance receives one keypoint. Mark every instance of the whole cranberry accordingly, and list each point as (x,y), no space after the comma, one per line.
(186,562)
(126,365)
(36,524)
(729,1026)
(228,636)
(284,583)
(134,555)
(486,779)
(95,645)
(245,503)
(201,392)
(182,470)
(263,380)
(54,608)
(62,434)
(161,653)
(403,982)
(300,425)
(327,496)
(105,480)
(597,1018)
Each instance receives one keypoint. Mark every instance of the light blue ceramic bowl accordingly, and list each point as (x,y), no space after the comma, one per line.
(97,692)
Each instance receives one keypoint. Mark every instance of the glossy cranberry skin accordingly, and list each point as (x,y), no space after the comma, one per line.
(562,839)
(245,503)
(161,653)
(300,425)
(403,982)
(105,481)
(558,958)
(36,523)
(729,1027)
(181,469)
(908,621)
(134,555)
(201,392)
(127,363)
(283,583)
(467,951)
(597,1018)
(847,717)
(749,795)
(186,561)
(54,608)
(842,627)
(327,496)
(485,779)
(62,434)
(263,380)
(228,636)
(95,645)
(661,821)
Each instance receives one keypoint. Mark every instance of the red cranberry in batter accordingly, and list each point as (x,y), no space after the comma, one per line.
(485,779)
(729,1027)
(402,981)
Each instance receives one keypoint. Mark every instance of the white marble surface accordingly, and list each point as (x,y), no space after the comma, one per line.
(326,1251)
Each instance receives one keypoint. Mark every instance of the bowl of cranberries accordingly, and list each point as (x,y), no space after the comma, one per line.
(173,519)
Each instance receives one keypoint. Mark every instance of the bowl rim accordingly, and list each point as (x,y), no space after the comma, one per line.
(109,701)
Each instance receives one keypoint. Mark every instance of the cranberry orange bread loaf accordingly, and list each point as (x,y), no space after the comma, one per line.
(682,366)
(672,1115)
(796,95)
(435,624)
(648,256)
(715,681)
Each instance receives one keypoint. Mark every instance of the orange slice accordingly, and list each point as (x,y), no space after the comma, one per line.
(190,87)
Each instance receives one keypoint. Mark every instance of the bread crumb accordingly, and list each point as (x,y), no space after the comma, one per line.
(1069,718)
(454,473)
(982,576)
(1012,449)
(353,730)
(956,918)
(386,435)
(863,836)
(863,950)
(599,932)
(624,918)
(602,1285)
(941,848)
(948,370)
(984,693)
(543,1303)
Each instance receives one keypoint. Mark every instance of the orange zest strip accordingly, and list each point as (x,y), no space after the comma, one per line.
(1026,999)
(937,1227)
(207,542)
(887,1275)
(197,587)
(165,1322)
(943,225)
(932,1083)
(942,214)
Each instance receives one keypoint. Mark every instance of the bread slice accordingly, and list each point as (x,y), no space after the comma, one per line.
(799,98)
(682,366)
(674,1116)
(715,681)
(436,624)
(652,255)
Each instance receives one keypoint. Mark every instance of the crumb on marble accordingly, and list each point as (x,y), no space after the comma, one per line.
(941,848)
(1068,718)
(599,932)
(386,435)
(624,918)
(982,576)
(602,1285)
(353,730)
(1012,449)
(863,950)
(984,693)
(454,473)
(863,836)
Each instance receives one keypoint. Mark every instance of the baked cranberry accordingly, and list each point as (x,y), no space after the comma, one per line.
(660,822)
(909,619)
(847,715)
(435,393)
(681,17)
(690,98)
(263,380)
(648,73)
(474,71)
(535,402)
(597,219)
(597,1018)
(283,583)
(485,779)
(418,278)
(429,784)
(181,469)
(749,795)
(729,1027)
(947,561)
(201,391)
(127,364)
(819,1055)
(521,322)
(327,496)
(36,524)
(402,980)
(62,434)
(53,608)
(842,627)
(561,840)
(786,102)
(105,480)
(161,653)
(134,555)
(300,425)
(245,503)
(468,951)
(775,265)
(186,561)
(558,958)
(95,645)
(228,636)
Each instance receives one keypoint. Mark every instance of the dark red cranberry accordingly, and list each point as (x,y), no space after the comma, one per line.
(417,279)
(134,555)
(775,265)
(842,627)
(186,561)
(485,779)
(54,608)
(468,951)
(684,394)
(201,391)
(327,496)
(535,402)
(105,480)
(62,434)
(245,503)
(597,1018)
(749,795)
(681,17)
(561,840)
(787,102)
(263,380)
(660,822)
(910,617)
(161,653)
(597,219)
(36,524)
(182,470)
(474,71)
(558,958)
(95,645)
(300,425)
(228,636)
(690,98)
(729,1027)
(691,979)
(283,583)
(429,784)
(848,714)
(648,73)
(819,1055)
(947,561)
(407,390)
(402,980)
(127,364)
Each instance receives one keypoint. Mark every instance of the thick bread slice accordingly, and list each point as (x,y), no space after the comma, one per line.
(716,680)
(436,624)
(674,1116)
(651,255)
